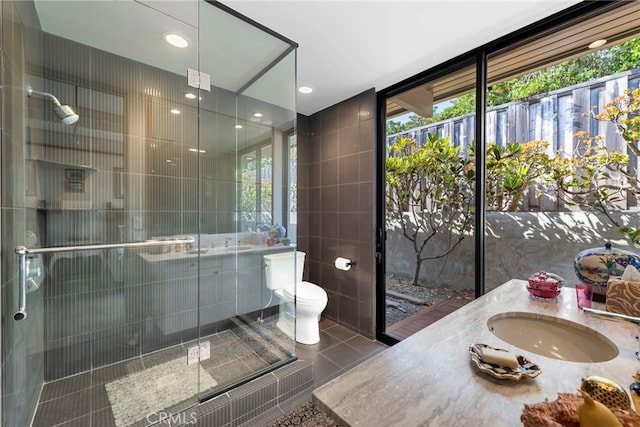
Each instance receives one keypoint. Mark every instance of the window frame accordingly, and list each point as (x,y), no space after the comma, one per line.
(479,58)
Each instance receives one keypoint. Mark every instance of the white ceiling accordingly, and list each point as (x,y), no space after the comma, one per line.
(346,47)
(229,50)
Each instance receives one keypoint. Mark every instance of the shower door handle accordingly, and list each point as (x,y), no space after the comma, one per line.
(131,245)
(21,314)
(26,273)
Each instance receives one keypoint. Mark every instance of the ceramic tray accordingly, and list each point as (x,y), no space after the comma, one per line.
(527,369)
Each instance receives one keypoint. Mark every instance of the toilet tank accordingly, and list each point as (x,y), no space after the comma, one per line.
(284,269)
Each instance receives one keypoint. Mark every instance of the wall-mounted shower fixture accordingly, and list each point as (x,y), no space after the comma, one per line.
(66,113)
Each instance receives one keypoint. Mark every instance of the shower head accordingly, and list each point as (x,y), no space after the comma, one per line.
(66,113)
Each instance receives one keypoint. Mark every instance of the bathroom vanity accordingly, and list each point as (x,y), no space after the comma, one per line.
(429,380)
(220,283)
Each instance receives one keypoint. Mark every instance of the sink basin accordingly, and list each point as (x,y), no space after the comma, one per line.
(552,337)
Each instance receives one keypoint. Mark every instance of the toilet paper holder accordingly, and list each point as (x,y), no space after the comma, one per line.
(344,264)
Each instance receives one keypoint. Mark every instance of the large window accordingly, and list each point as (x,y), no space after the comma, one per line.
(291,180)
(560,183)
(547,194)
(256,195)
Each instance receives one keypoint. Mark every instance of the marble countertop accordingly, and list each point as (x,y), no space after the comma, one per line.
(428,378)
(172,255)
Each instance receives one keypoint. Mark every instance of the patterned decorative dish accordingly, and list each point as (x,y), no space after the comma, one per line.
(526,369)
(595,266)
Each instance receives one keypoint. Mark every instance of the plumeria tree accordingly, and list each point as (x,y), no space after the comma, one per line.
(624,113)
(511,171)
(430,188)
(429,194)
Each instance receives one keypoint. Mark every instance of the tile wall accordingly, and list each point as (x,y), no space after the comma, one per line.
(336,170)
(22,348)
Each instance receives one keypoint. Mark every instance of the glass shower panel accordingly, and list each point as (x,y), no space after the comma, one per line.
(117,318)
(145,292)
(241,170)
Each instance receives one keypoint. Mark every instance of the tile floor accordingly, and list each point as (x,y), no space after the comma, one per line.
(339,349)
(81,400)
(235,353)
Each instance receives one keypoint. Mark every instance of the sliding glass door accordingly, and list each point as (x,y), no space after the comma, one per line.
(429,161)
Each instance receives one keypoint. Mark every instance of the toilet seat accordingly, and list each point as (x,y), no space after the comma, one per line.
(306,292)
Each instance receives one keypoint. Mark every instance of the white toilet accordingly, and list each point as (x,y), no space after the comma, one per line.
(284,278)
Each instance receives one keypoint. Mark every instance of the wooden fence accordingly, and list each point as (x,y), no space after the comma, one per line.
(554,117)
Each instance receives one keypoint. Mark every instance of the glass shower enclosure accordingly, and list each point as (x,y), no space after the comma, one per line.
(145,150)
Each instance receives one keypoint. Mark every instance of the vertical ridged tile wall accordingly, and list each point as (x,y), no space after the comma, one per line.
(106,306)
(22,341)
(336,176)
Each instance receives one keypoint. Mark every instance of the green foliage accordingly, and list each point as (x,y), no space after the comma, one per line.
(430,189)
(593,178)
(633,234)
(465,104)
(512,170)
(249,190)
(624,113)
(395,127)
(429,193)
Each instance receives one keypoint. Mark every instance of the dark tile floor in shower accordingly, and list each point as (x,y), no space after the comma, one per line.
(82,400)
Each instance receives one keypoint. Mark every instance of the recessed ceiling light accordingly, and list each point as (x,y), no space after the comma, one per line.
(195,150)
(238,126)
(175,111)
(597,43)
(190,95)
(305,89)
(176,40)
(256,114)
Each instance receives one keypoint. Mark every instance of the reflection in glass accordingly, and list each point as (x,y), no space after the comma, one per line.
(141,162)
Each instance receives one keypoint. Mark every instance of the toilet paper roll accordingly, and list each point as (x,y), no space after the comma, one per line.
(343,264)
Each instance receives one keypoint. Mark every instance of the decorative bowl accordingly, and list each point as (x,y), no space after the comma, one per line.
(549,275)
(595,266)
(543,280)
(277,232)
(543,292)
